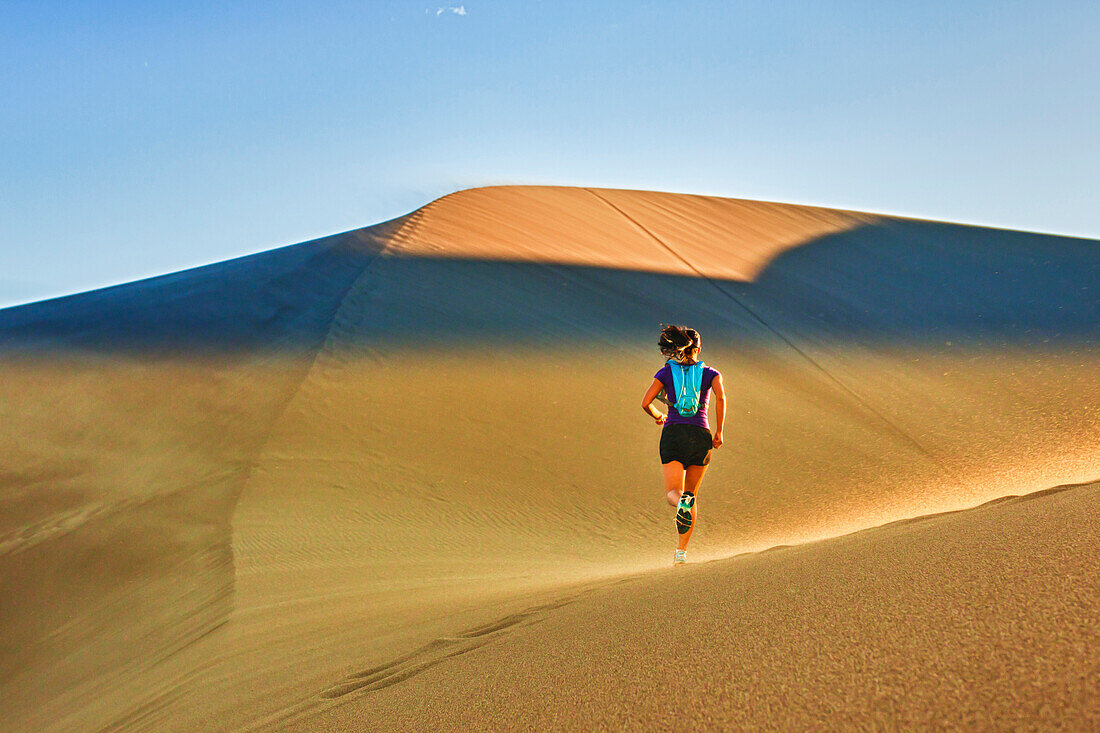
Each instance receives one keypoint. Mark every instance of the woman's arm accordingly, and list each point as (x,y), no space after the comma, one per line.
(647,402)
(719,408)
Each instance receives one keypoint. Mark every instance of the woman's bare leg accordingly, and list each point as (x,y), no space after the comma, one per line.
(694,477)
(674,481)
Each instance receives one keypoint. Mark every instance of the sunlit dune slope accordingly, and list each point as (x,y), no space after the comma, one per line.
(980,619)
(631,230)
(224,487)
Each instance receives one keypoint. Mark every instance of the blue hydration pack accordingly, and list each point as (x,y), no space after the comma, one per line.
(687,383)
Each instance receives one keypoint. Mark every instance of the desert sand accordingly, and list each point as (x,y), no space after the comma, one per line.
(397,478)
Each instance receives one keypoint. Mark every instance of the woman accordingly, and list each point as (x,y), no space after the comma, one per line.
(686,441)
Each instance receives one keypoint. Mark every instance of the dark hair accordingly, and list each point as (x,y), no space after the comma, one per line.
(675,340)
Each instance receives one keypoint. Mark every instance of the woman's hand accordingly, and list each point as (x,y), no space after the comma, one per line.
(718,439)
(660,419)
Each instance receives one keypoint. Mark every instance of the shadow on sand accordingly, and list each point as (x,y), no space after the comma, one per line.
(897,281)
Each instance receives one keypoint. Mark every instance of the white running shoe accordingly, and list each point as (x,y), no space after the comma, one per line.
(681,557)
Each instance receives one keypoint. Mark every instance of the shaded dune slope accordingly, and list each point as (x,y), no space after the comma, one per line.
(129,418)
(276,467)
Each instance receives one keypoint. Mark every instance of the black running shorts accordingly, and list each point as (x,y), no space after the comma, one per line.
(688,444)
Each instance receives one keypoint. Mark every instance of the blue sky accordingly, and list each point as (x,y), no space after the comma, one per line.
(138,138)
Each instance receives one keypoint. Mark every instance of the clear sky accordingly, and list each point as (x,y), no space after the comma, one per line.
(144,137)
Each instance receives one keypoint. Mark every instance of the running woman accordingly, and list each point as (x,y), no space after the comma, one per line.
(686,441)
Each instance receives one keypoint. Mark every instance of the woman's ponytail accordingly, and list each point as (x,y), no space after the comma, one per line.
(674,341)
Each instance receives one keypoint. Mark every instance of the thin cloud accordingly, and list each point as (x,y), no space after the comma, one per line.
(456,9)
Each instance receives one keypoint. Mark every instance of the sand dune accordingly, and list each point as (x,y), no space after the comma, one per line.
(228,489)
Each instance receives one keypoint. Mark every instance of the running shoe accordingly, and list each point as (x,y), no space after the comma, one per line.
(680,558)
(683,512)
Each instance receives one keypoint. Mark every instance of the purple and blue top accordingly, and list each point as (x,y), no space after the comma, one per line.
(664,376)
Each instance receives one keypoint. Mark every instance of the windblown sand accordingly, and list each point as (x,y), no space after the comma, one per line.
(398,478)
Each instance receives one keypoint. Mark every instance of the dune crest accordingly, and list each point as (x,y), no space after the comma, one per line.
(676,234)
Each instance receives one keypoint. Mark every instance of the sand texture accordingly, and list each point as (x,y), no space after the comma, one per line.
(397,478)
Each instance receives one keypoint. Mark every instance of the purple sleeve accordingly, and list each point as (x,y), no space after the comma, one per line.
(664,376)
(708,377)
